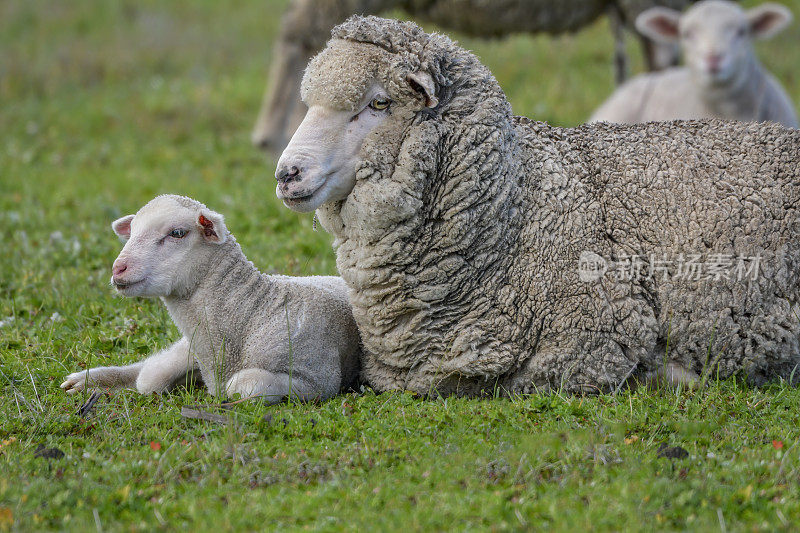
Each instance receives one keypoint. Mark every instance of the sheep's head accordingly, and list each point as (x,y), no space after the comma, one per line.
(363,84)
(167,242)
(715,36)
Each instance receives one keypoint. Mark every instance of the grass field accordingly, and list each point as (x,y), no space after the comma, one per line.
(105,104)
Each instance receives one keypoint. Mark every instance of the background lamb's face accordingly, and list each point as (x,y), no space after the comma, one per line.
(351,89)
(165,242)
(715,35)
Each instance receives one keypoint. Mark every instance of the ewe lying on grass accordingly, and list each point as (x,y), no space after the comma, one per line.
(484,250)
(722,79)
(233,318)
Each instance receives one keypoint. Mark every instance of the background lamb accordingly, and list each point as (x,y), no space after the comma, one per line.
(307,23)
(460,228)
(233,318)
(722,77)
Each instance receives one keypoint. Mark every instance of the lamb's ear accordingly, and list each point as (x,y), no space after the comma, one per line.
(122,227)
(212,226)
(767,20)
(422,82)
(659,24)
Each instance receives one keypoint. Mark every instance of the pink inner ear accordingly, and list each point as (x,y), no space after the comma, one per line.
(122,227)
(663,26)
(765,22)
(208,226)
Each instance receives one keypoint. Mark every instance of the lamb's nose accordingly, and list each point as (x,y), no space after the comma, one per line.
(287,174)
(119,269)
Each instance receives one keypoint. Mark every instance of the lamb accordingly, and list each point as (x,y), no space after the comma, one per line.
(235,322)
(307,23)
(722,79)
(487,253)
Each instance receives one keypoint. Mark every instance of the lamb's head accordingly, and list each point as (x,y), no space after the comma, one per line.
(373,79)
(715,36)
(168,244)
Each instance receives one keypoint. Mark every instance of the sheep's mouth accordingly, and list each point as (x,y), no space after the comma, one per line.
(298,200)
(123,285)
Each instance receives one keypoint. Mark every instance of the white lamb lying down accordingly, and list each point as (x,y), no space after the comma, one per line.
(234,320)
(722,77)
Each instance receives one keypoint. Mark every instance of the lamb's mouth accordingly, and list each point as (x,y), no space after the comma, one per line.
(122,286)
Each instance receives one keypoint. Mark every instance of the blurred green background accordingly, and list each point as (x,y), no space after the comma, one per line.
(103,105)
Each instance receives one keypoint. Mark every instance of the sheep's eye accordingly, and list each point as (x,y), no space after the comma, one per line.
(379,104)
(178,233)
(741,31)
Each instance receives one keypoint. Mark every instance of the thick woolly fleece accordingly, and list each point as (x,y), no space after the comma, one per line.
(462,238)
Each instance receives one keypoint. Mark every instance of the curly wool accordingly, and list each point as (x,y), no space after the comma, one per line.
(462,237)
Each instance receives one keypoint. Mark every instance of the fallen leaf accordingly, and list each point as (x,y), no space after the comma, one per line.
(189,412)
(155,446)
(631,439)
(6,518)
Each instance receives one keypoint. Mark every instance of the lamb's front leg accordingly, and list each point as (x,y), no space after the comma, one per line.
(167,368)
(272,387)
(155,374)
(109,377)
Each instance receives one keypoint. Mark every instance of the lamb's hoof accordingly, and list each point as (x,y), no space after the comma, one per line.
(75,382)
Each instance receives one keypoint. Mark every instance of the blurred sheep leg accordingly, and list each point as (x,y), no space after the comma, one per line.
(305,28)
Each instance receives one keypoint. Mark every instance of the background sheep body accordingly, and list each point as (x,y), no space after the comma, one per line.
(307,23)
(462,237)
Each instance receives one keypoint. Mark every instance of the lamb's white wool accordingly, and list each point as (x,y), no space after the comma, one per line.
(236,322)
(722,77)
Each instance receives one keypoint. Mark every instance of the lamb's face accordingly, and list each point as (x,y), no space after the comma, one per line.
(351,91)
(165,243)
(715,36)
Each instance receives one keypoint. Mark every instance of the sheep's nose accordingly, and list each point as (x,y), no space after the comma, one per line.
(287,174)
(714,61)
(118,269)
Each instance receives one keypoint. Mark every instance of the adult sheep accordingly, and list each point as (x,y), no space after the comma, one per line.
(485,251)
(307,23)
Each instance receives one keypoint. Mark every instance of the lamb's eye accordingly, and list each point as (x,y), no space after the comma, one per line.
(379,104)
(178,233)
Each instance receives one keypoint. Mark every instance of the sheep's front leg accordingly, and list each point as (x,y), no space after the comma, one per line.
(167,368)
(155,374)
(110,377)
(272,387)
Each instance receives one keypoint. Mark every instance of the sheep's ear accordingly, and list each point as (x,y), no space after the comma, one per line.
(767,20)
(122,227)
(212,227)
(422,82)
(659,24)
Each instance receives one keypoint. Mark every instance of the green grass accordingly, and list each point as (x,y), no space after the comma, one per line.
(105,104)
